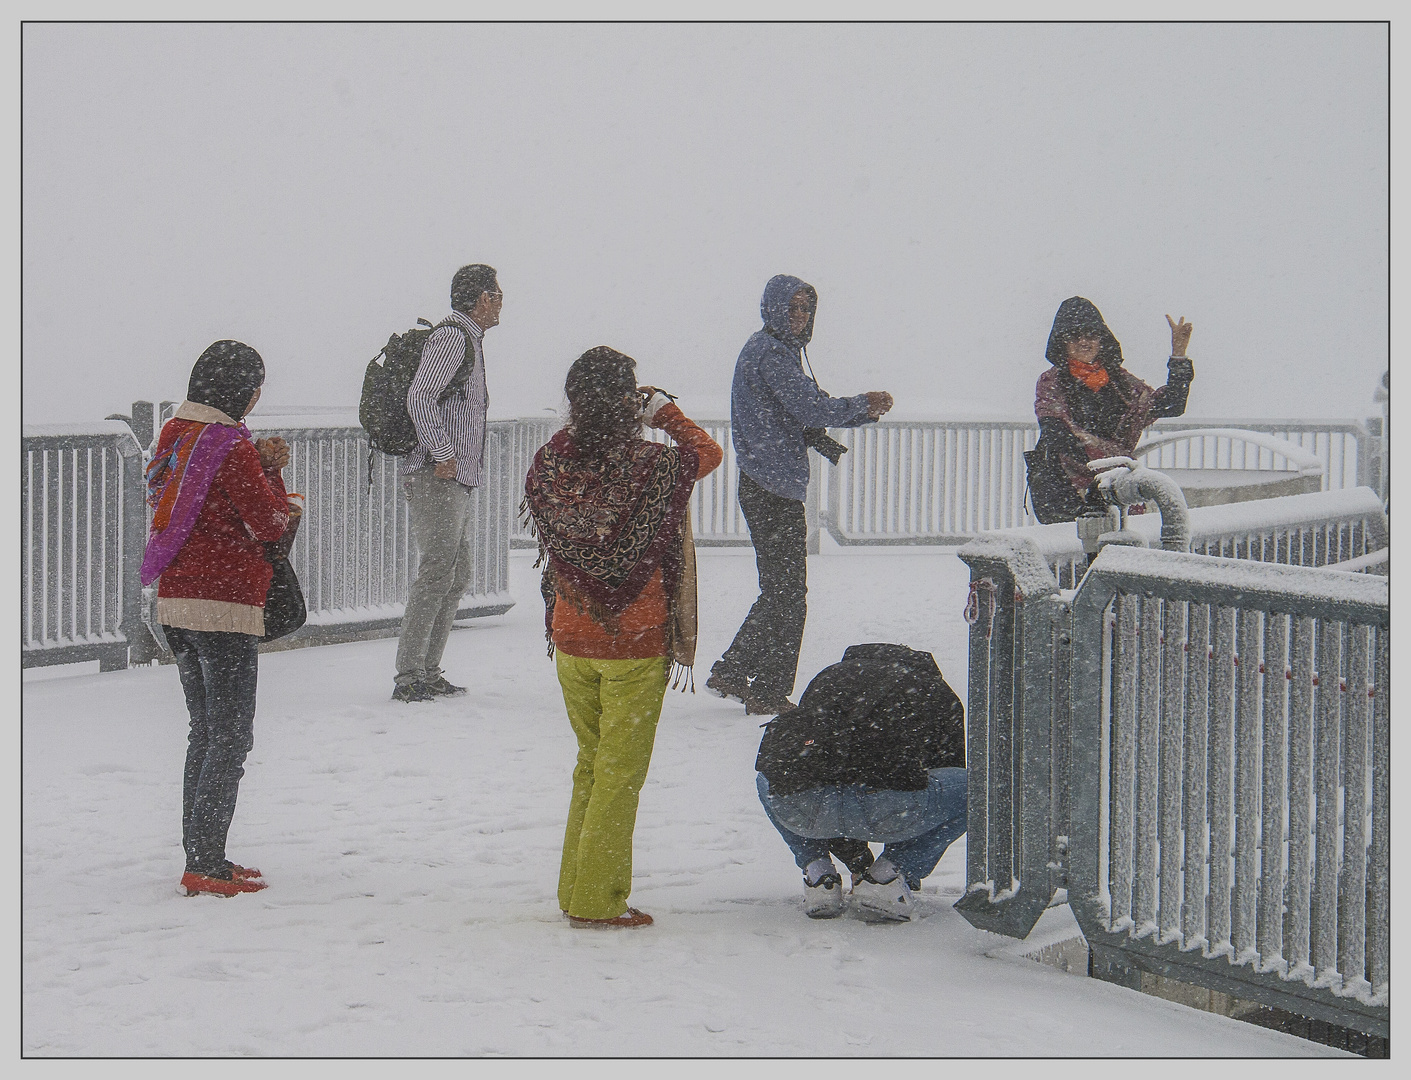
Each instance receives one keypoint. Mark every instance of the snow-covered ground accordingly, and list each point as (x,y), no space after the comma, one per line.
(412,854)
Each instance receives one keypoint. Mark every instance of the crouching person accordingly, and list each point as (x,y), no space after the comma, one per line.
(875,752)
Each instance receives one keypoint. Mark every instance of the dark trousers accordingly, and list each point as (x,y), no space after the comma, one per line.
(766,647)
(218,675)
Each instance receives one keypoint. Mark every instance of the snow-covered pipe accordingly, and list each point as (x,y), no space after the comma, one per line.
(1129,483)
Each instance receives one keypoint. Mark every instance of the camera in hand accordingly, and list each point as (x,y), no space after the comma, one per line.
(820,440)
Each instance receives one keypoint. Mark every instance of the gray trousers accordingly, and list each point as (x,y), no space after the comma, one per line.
(440,520)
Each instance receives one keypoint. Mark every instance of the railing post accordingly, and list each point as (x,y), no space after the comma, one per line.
(1018,629)
(134,541)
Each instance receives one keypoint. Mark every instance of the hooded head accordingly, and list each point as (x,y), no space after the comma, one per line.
(226,377)
(1078,317)
(774,308)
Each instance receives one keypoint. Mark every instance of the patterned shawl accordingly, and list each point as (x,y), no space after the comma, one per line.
(607,522)
(177,485)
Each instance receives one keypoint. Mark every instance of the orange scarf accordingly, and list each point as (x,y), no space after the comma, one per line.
(1093,376)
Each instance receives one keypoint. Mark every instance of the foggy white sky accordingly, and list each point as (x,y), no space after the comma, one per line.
(310,189)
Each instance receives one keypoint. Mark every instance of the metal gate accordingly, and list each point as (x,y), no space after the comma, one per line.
(1196,748)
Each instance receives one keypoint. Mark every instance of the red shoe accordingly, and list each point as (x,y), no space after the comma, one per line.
(244,873)
(628,920)
(201,885)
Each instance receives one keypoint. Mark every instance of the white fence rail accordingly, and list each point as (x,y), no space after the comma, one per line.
(353,552)
(81,540)
(924,482)
(944,482)
(85,522)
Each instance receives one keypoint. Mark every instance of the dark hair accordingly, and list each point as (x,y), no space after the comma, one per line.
(600,414)
(469,282)
(226,377)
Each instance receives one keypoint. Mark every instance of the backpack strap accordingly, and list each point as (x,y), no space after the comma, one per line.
(462,376)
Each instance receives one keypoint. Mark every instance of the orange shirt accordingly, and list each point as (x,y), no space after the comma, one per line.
(642,626)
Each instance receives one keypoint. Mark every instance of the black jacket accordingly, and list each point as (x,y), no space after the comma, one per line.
(880,717)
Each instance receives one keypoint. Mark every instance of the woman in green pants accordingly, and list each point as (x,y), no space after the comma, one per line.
(611,512)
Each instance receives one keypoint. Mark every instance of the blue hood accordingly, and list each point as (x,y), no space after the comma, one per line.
(774,308)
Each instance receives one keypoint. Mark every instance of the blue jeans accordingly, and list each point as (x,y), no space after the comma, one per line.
(916,827)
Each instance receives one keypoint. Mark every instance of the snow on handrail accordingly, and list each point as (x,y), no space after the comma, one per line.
(1210,523)
(1256,583)
(1305,463)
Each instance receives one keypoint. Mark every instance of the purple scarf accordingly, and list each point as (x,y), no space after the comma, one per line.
(177,485)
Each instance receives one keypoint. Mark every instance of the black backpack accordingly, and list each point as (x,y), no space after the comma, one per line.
(383,409)
(881,717)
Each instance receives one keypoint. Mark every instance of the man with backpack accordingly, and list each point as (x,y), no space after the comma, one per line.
(447,402)
(875,751)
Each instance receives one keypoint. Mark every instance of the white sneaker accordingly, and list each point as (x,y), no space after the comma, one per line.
(890,899)
(823,891)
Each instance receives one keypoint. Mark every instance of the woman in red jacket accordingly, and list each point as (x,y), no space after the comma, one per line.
(610,509)
(216,496)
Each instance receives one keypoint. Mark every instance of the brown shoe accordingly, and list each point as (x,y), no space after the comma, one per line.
(754,707)
(628,920)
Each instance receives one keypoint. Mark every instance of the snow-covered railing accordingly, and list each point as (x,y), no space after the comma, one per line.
(1347,449)
(81,540)
(1225,448)
(1230,778)
(1321,528)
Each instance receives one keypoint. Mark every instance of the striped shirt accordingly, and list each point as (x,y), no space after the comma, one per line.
(454,428)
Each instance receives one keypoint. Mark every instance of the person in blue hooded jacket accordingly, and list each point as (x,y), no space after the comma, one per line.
(774,408)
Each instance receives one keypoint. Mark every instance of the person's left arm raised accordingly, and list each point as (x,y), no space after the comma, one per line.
(661,412)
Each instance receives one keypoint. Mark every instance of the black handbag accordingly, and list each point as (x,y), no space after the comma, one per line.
(285,611)
(1051,496)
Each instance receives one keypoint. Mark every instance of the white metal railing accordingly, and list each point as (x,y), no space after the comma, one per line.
(945,481)
(81,542)
(353,552)
(1225,448)
(934,481)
